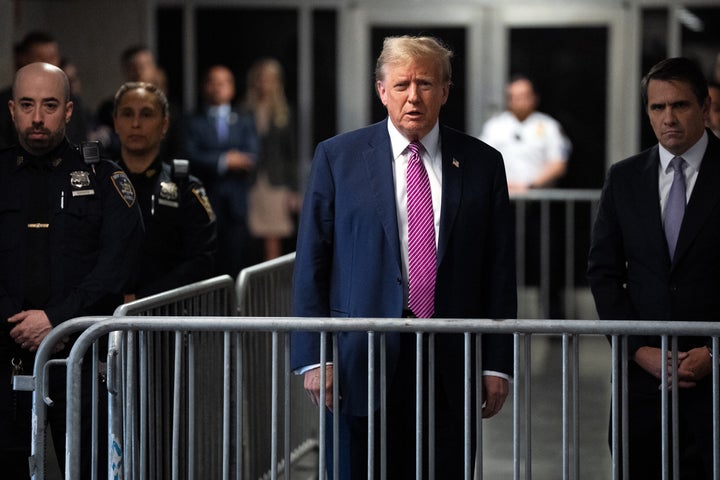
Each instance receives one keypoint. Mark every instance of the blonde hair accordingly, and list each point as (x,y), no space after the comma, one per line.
(404,49)
(279,110)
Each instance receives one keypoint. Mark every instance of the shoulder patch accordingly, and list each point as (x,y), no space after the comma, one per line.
(124,187)
(204,201)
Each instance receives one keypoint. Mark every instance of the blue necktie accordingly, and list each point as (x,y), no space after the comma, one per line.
(675,206)
(222,127)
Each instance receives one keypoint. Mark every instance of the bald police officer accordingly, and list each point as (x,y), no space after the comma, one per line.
(69,226)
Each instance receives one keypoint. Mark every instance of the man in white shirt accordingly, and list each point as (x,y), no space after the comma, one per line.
(532,143)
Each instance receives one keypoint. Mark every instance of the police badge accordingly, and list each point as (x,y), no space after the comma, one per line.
(79,180)
(168,194)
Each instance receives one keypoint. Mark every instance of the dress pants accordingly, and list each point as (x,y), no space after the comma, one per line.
(401,444)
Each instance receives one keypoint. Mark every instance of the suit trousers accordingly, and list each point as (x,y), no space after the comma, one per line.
(695,434)
(401,422)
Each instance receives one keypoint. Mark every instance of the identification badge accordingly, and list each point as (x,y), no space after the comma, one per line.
(79,180)
(168,194)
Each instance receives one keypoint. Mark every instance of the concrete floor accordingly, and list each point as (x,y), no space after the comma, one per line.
(546,451)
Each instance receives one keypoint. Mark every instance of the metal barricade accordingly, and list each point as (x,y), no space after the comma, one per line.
(168,387)
(552,234)
(139,400)
(265,290)
(570,331)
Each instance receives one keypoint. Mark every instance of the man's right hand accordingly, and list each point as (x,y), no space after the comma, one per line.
(312,386)
(239,161)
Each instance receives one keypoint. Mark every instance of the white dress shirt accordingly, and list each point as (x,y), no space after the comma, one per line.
(693,158)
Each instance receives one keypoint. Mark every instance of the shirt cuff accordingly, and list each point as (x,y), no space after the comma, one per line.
(222,165)
(493,373)
(302,370)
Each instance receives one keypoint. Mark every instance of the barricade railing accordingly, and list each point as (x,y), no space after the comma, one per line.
(125,426)
(152,422)
(472,329)
(264,290)
(552,234)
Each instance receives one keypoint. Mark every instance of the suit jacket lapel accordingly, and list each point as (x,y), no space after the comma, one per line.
(647,199)
(703,200)
(378,158)
(451,192)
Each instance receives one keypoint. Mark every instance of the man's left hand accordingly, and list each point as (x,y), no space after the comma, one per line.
(694,367)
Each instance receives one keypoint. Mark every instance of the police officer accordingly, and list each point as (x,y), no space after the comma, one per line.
(68,228)
(180,233)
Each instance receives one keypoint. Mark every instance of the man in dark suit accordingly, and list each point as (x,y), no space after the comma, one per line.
(222,145)
(655,256)
(356,258)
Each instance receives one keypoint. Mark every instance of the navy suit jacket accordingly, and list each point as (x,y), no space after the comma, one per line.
(348,260)
(629,267)
(228,190)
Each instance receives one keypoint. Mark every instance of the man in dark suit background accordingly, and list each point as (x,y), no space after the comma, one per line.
(354,259)
(641,268)
(222,145)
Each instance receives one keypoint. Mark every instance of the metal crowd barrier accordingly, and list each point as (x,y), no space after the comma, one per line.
(523,330)
(264,290)
(166,388)
(134,422)
(552,233)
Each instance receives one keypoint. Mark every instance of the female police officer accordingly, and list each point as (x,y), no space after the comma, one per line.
(180,233)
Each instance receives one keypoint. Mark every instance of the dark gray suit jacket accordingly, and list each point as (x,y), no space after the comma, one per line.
(629,267)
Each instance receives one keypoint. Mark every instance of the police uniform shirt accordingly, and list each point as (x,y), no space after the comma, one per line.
(83,216)
(180,234)
(526,146)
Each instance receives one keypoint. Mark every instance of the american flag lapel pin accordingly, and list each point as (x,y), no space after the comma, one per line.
(456,164)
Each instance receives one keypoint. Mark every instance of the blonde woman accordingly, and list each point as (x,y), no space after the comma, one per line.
(273,198)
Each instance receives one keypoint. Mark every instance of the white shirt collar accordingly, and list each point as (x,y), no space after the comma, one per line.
(399,143)
(222,111)
(693,156)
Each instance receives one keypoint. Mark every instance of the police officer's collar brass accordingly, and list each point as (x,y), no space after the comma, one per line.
(51,159)
(152,170)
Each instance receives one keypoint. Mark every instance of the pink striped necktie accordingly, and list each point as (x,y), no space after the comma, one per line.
(421,238)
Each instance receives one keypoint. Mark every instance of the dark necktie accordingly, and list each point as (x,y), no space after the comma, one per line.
(37,258)
(421,238)
(675,206)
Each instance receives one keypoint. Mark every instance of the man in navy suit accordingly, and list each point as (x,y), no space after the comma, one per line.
(222,145)
(639,269)
(352,259)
